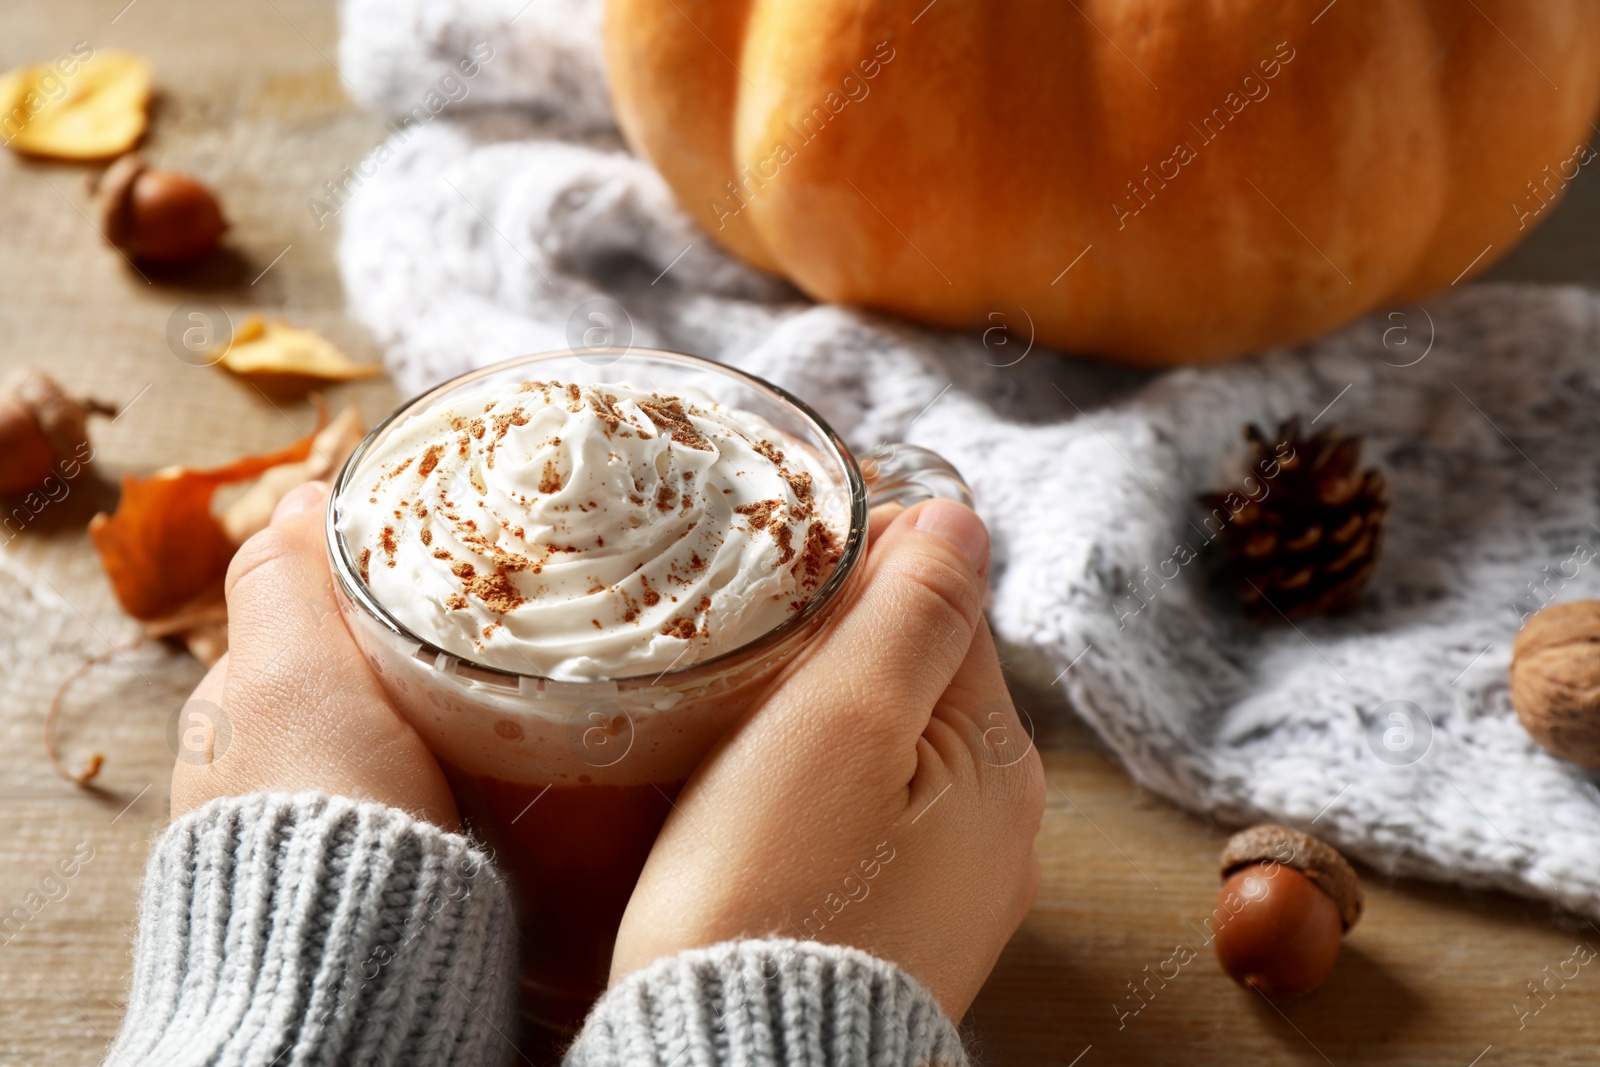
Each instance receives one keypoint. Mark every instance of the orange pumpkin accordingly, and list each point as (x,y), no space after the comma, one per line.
(1160,181)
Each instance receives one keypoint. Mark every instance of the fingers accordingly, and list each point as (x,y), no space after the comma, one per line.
(883,665)
(977,707)
(977,737)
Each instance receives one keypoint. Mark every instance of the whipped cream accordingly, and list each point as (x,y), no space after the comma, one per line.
(583,532)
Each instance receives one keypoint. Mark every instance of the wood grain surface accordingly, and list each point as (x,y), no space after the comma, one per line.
(251,101)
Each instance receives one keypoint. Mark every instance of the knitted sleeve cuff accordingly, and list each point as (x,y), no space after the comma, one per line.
(309,929)
(777,1003)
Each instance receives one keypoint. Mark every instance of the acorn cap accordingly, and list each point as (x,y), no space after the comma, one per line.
(1317,860)
(113,191)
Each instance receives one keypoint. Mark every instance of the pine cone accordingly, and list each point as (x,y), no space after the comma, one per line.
(1308,540)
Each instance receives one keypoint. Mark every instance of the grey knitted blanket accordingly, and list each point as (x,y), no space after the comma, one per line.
(509,219)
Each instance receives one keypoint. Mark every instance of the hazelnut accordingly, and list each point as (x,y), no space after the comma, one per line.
(1286,901)
(1555,680)
(158,216)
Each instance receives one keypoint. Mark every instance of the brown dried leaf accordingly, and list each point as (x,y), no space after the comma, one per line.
(201,624)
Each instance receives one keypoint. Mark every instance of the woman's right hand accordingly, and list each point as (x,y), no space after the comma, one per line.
(884,796)
(304,710)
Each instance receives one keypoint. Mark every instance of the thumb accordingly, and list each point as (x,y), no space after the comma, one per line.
(905,635)
(305,497)
(278,584)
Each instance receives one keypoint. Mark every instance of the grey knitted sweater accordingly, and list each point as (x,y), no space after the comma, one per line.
(280,930)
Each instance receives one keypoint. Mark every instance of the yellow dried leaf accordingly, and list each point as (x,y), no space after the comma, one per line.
(329,449)
(288,358)
(78,109)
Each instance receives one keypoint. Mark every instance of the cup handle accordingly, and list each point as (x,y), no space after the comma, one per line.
(908,474)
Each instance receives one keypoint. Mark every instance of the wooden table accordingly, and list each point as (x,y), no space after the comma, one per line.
(250,101)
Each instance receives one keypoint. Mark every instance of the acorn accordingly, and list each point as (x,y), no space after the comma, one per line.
(41,427)
(158,216)
(1286,902)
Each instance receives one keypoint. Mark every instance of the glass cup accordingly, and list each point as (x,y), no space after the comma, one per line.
(569,781)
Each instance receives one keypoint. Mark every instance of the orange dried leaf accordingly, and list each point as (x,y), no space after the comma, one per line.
(287,358)
(75,108)
(163,547)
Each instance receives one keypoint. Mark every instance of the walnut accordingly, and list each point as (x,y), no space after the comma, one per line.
(1555,680)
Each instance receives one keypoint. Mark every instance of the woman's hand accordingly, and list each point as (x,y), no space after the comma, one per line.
(302,709)
(884,796)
